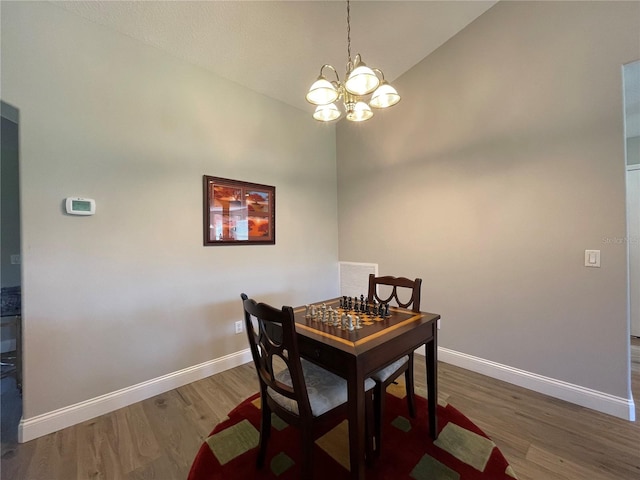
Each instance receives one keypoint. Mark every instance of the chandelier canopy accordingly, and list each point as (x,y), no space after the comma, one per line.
(363,88)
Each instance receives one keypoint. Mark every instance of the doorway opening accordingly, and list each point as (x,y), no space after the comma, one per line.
(631,82)
(11,279)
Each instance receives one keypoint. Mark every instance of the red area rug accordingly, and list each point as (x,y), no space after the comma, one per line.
(461,452)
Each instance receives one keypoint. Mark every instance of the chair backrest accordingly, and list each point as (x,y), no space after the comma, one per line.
(404,283)
(274,338)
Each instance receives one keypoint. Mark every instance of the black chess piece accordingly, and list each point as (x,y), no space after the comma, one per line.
(386,310)
(350,304)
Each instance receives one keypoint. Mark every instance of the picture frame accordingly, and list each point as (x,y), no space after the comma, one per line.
(238,213)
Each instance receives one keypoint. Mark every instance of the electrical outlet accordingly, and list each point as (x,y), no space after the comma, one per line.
(239,327)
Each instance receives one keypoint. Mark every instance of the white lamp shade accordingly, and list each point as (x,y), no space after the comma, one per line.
(384,96)
(362,80)
(322,92)
(360,113)
(326,113)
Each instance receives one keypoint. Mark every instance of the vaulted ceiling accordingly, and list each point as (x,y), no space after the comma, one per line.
(277,47)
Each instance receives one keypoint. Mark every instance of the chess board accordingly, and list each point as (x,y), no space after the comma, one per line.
(371,325)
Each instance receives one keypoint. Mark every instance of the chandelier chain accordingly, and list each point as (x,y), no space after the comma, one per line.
(348,31)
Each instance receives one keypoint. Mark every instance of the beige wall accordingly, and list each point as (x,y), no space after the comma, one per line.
(130,294)
(504,162)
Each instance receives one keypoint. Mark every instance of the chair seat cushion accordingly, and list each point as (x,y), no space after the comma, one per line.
(383,374)
(325,389)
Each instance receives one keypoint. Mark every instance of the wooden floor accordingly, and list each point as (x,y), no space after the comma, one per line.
(542,438)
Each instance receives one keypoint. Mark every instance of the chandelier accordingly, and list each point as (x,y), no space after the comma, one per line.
(363,88)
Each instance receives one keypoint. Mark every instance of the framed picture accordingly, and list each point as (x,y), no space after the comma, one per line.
(238,213)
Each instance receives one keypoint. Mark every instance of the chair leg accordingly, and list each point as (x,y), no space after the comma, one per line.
(265,431)
(307,452)
(408,377)
(379,392)
(370,427)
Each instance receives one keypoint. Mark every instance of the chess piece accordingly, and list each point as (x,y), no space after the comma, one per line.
(306,311)
(343,321)
(350,326)
(356,304)
(358,325)
(386,309)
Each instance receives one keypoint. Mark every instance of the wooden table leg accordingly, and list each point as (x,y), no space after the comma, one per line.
(356,408)
(432,384)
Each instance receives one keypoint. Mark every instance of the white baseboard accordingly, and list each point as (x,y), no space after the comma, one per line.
(585,397)
(65,417)
(50,422)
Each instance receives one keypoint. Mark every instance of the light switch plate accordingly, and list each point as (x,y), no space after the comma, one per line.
(592,258)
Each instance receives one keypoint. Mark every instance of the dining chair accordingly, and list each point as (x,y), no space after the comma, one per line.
(387,375)
(301,393)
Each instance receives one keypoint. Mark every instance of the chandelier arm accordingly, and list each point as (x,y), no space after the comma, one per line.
(326,65)
(377,70)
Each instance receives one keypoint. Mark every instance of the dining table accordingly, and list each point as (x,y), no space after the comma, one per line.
(372,342)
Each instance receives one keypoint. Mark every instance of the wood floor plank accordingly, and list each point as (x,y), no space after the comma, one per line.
(97,455)
(40,463)
(136,444)
(66,453)
(554,462)
(173,430)
(161,468)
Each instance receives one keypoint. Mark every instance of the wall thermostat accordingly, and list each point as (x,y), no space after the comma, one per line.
(80,206)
